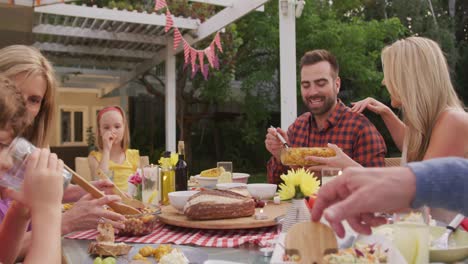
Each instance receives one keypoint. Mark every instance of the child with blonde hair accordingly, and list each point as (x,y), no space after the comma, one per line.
(114,155)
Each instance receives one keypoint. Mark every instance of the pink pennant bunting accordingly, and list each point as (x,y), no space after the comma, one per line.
(193,57)
(160,4)
(216,62)
(204,71)
(177,38)
(217,41)
(194,71)
(209,56)
(186,52)
(169,21)
(201,55)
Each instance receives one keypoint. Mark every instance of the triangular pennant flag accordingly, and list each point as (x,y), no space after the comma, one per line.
(217,41)
(209,56)
(201,55)
(216,62)
(169,21)
(177,38)
(204,71)
(160,4)
(193,57)
(186,52)
(11,2)
(38,2)
(194,70)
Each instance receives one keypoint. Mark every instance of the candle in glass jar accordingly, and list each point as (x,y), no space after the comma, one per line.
(261,215)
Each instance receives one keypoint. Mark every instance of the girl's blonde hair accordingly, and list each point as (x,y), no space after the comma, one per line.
(126,136)
(416,74)
(18,59)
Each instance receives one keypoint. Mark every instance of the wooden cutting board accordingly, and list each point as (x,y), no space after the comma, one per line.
(170,215)
(310,240)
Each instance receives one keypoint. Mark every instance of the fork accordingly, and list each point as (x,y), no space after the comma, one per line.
(442,241)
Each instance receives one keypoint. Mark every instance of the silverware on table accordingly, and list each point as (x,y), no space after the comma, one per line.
(442,241)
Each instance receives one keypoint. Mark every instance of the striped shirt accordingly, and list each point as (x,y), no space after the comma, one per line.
(350,131)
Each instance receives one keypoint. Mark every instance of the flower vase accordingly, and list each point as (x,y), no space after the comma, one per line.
(139,193)
(296,213)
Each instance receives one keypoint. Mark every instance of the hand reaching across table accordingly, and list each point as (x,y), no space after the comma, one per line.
(87,212)
(340,160)
(360,192)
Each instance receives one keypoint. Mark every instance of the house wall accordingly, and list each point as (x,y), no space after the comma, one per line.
(81,99)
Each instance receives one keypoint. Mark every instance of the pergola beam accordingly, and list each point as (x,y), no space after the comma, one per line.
(80,49)
(87,33)
(123,16)
(88,71)
(224,3)
(213,24)
(33,2)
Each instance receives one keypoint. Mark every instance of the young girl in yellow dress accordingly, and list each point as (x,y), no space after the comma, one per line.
(114,155)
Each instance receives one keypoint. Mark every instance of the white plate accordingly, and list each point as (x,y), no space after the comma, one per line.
(194,255)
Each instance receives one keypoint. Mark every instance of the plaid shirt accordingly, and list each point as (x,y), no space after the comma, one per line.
(350,131)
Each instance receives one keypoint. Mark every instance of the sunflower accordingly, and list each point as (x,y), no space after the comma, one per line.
(298,184)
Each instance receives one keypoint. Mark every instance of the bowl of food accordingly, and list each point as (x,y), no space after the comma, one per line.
(230,185)
(210,182)
(179,199)
(140,224)
(296,156)
(262,190)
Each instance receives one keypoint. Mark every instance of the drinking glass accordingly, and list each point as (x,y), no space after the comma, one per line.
(227,165)
(150,185)
(329,174)
(411,235)
(18,153)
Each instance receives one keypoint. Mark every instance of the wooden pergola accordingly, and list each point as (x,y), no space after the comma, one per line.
(122,45)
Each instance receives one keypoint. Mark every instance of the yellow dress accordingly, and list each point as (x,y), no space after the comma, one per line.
(122,171)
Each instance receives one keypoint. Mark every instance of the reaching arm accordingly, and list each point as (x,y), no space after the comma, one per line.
(12,232)
(392,122)
(441,183)
(46,224)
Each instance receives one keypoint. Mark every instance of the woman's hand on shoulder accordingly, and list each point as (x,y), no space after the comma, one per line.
(371,104)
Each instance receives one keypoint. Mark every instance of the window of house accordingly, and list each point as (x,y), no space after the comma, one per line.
(73,123)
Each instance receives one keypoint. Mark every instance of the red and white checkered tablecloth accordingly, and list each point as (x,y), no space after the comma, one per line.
(187,236)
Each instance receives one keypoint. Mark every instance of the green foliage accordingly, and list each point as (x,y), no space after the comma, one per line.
(90,139)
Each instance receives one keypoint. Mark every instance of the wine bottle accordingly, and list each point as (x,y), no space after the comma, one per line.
(181,172)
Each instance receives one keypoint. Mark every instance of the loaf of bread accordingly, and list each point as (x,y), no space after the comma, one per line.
(217,204)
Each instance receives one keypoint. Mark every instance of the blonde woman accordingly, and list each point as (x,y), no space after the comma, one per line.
(34,77)
(434,122)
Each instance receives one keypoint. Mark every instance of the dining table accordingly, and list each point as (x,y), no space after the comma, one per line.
(75,252)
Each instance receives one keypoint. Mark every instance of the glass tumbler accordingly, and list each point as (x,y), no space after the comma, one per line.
(18,153)
(329,174)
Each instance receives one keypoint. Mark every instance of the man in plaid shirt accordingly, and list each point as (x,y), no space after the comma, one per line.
(354,138)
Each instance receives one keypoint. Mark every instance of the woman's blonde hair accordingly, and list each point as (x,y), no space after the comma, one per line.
(20,59)
(416,74)
(126,136)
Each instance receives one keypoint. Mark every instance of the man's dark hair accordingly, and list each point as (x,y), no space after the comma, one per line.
(315,56)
